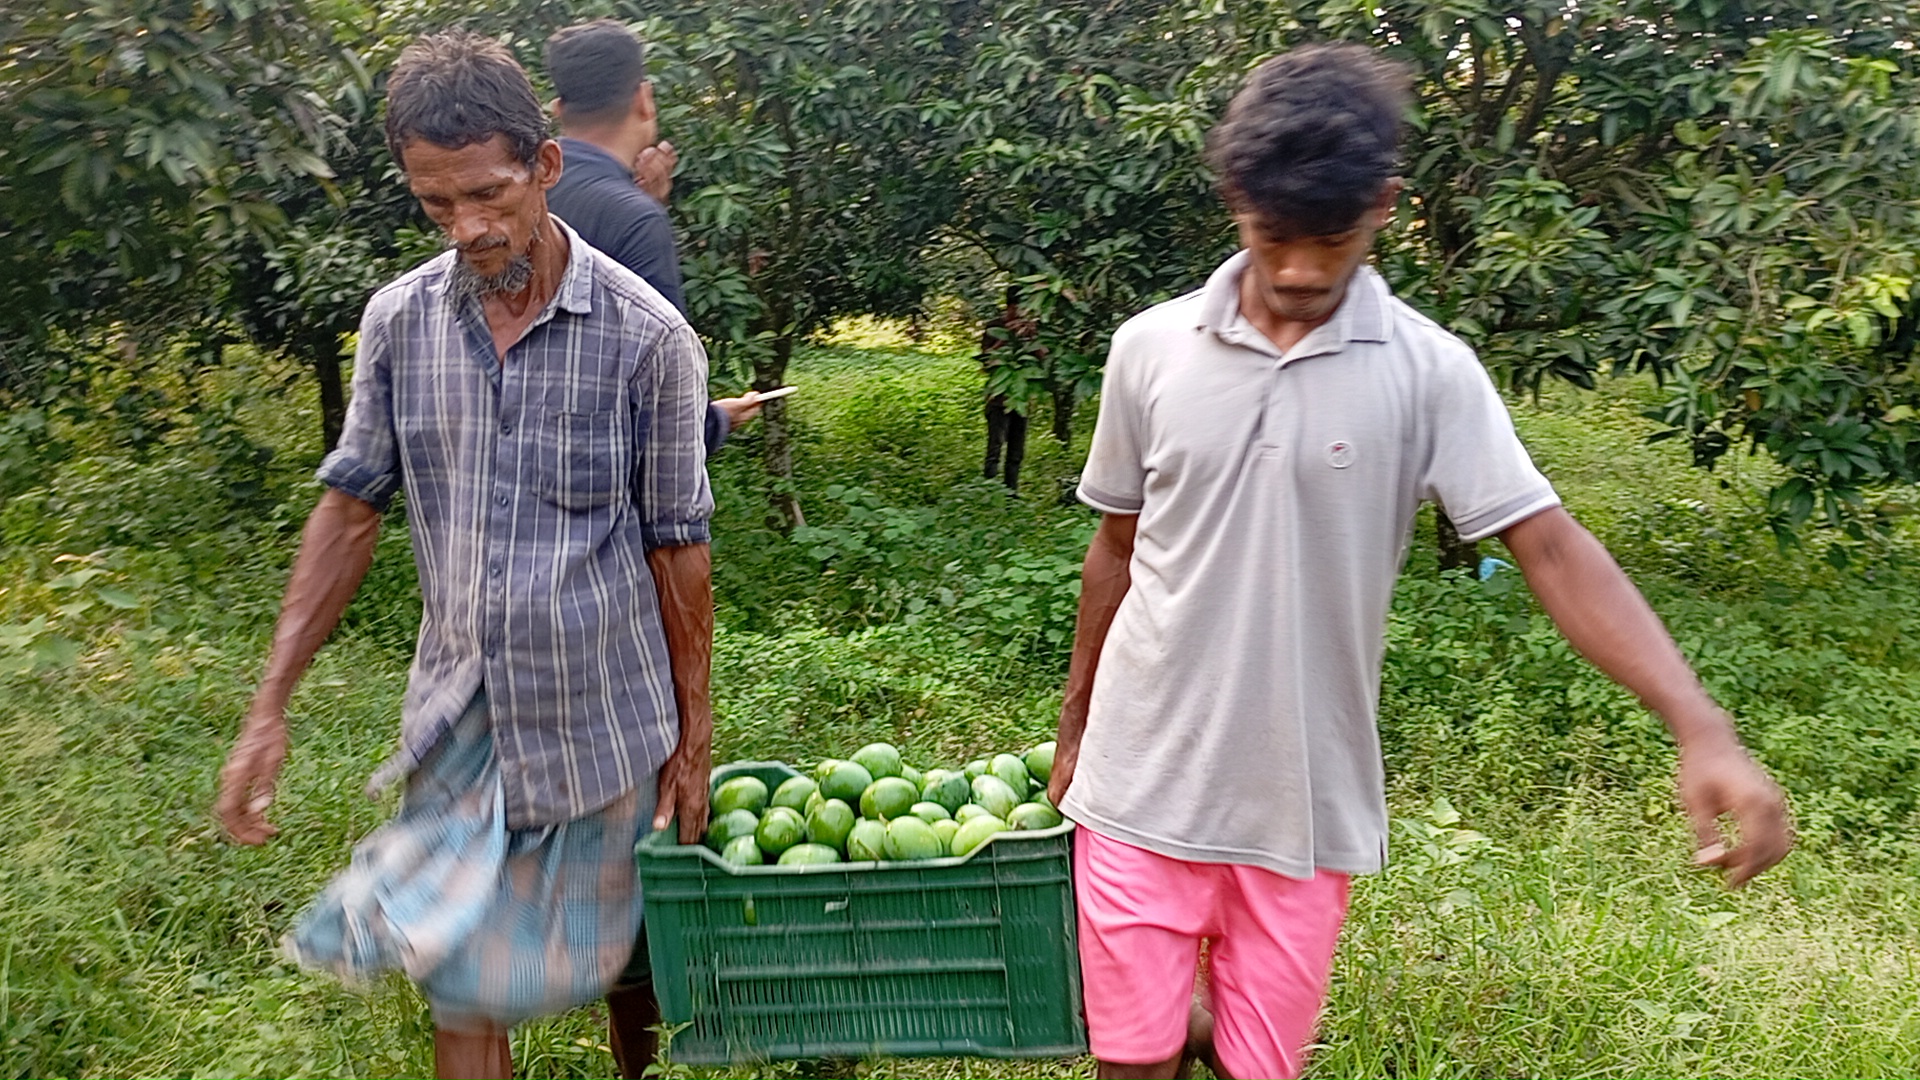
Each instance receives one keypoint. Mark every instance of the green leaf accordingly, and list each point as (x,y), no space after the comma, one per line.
(116,597)
(54,651)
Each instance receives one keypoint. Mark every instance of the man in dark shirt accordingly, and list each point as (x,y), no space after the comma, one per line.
(608,132)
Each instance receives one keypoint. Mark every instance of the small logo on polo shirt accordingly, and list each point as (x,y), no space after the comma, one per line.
(1340,454)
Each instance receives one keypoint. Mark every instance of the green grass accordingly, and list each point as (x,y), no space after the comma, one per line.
(1538,917)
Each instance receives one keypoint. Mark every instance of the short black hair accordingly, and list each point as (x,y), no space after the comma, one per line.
(595,68)
(457,88)
(1312,136)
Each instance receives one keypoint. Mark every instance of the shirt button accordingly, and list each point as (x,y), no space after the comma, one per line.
(502,500)
(494,569)
(506,429)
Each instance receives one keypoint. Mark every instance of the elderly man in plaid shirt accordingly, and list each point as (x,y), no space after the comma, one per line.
(542,406)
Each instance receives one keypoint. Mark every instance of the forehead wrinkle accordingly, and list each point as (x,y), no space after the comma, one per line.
(464,171)
(465,187)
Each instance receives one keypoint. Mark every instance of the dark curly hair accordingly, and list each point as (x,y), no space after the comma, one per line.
(457,88)
(1312,136)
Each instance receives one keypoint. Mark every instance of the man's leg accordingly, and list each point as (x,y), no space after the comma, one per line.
(1159,1070)
(996,434)
(633,1011)
(475,1052)
(1016,447)
(1141,917)
(1270,967)
(1199,1048)
(1200,1040)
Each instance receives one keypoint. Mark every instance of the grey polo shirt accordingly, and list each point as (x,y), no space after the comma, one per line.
(1233,716)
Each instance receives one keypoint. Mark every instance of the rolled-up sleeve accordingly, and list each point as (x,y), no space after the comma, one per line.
(366,463)
(670,476)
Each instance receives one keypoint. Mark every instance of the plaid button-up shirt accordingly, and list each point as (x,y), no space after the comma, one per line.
(535,487)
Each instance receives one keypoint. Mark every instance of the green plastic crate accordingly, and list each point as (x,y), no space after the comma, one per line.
(973,956)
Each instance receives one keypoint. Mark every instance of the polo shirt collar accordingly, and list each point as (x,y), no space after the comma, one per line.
(1364,314)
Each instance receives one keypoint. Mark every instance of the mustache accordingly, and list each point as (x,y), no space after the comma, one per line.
(485,243)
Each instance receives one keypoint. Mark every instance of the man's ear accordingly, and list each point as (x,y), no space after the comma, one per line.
(643,106)
(547,164)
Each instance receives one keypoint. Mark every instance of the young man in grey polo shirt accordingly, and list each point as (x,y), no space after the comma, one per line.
(1262,447)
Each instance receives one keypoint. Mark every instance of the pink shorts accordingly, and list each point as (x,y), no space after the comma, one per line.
(1142,917)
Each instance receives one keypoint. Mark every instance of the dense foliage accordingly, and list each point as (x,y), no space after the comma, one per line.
(1722,193)
(142,144)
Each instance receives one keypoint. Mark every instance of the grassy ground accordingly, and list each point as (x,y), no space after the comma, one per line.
(1538,918)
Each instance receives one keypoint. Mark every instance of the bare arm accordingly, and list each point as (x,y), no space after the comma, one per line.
(683,575)
(335,551)
(1603,616)
(1104,581)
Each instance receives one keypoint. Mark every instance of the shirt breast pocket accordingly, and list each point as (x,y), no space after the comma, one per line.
(581,463)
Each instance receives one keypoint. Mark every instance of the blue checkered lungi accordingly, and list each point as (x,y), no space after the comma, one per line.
(495,925)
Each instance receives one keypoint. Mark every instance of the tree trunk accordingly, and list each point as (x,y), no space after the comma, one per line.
(777,442)
(333,396)
(1455,553)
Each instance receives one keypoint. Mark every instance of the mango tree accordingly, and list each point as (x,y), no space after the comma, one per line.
(139,141)
(808,186)
(1077,130)
(1719,193)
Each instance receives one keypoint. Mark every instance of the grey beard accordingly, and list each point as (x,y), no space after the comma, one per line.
(464,284)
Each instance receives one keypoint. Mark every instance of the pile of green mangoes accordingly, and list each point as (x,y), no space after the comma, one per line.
(872,807)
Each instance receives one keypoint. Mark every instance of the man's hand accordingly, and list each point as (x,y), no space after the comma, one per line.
(335,550)
(1609,622)
(683,791)
(246,784)
(740,409)
(653,170)
(1064,759)
(1724,781)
